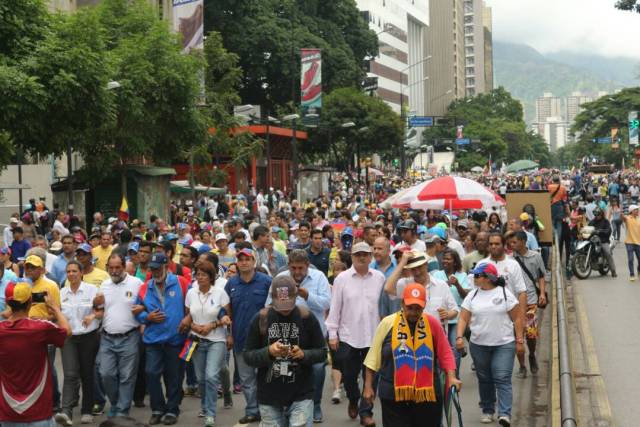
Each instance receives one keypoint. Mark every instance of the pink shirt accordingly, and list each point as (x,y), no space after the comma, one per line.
(353,315)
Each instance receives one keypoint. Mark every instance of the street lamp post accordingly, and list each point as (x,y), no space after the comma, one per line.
(347,125)
(293,118)
(402,113)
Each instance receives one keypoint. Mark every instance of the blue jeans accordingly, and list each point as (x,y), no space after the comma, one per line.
(118,359)
(297,414)
(163,361)
(453,329)
(318,386)
(494,367)
(192,379)
(631,250)
(208,360)
(249,381)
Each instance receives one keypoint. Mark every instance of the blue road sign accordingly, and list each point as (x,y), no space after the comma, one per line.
(463,141)
(421,121)
(603,140)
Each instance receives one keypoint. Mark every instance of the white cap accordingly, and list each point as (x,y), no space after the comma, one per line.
(14,220)
(221,236)
(56,246)
(633,208)
(112,219)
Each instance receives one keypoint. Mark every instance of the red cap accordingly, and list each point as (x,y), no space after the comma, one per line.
(415,293)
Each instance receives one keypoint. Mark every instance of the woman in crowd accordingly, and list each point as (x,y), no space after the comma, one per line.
(406,348)
(207,307)
(80,349)
(491,312)
(494,223)
(459,285)
(614,214)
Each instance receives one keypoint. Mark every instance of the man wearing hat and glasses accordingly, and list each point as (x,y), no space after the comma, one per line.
(90,274)
(24,363)
(353,319)
(284,342)
(440,301)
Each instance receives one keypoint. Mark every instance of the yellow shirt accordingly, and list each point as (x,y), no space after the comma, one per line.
(39,309)
(96,277)
(279,246)
(102,256)
(633,229)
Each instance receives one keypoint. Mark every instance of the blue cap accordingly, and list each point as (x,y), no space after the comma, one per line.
(185,241)
(134,246)
(203,249)
(438,231)
(138,236)
(275,229)
(158,260)
(84,247)
(170,236)
(347,231)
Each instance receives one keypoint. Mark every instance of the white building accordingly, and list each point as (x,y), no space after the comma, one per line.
(474,47)
(555,131)
(546,106)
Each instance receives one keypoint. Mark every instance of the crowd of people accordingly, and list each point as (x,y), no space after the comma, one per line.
(258,294)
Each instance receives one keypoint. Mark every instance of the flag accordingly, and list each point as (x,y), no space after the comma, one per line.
(188,349)
(123,213)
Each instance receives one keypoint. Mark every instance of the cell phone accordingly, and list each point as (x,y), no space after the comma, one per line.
(38,296)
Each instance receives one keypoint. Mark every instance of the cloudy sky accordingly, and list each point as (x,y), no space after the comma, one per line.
(576,25)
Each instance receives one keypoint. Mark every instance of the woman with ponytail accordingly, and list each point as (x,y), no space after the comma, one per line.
(491,311)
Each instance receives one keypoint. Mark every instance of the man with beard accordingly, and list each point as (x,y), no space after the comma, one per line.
(118,355)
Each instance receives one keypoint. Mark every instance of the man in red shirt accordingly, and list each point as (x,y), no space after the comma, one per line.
(25,381)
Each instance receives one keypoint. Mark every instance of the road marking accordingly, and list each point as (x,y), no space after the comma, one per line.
(600,398)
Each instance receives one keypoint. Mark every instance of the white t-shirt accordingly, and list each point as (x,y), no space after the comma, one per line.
(512,273)
(418,245)
(118,302)
(491,323)
(456,246)
(438,295)
(204,308)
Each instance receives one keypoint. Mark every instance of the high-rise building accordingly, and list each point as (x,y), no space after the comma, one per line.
(546,106)
(474,47)
(441,68)
(487,22)
(555,131)
(400,66)
(459,89)
(573,103)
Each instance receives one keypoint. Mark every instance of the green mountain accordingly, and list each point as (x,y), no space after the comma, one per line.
(527,74)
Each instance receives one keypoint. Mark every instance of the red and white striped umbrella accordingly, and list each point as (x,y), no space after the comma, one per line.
(454,192)
(403,198)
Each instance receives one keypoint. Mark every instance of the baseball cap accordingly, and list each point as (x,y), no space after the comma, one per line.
(19,292)
(283,293)
(246,252)
(134,246)
(112,219)
(361,247)
(203,249)
(633,208)
(438,231)
(431,238)
(524,216)
(417,259)
(158,260)
(415,293)
(185,241)
(14,220)
(85,247)
(221,236)
(170,236)
(485,268)
(56,246)
(34,260)
(275,229)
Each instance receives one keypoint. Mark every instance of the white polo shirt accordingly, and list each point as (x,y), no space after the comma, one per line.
(438,295)
(204,308)
(76,306)
(119,299)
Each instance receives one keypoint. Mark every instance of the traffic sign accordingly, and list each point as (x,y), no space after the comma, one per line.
(463,141)
(421,121)
(603,140)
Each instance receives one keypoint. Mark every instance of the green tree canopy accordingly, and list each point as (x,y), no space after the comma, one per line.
(633,5)
(267,36)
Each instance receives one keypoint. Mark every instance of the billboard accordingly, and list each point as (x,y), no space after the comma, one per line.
(311,80)
(188,21)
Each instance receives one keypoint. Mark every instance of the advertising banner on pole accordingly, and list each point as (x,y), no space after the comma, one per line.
(311,81)
(634,127)
(188,21)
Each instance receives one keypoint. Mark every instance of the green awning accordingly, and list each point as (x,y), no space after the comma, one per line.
(152,170)
(522,165)
(183,187)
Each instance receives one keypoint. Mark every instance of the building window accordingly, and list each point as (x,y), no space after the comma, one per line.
(470,71)
(468,50)
(391,51)
(471,92)
(468,29)
(468,40)
(468,19)
(468,7)
(470,82)
(470,60)
(396,32)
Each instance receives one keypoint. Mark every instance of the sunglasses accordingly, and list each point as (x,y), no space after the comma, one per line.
(479,275)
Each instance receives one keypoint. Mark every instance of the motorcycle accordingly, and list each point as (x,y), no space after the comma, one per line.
(589,255)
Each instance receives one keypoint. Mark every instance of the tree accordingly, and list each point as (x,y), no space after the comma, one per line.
(22,24)
(268,34)
(496,119)
(632,5)
(378,128)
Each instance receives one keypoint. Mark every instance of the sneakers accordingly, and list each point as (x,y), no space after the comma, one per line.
(63,419)
(533,364)
(228,401)
(632,278)
(86,419)
(97,409)
(504,420)
(486,418)
(209,422)
(522,372)
(335,398)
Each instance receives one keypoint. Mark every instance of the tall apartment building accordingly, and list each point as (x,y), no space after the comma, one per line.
(547,106)
(555,131)
(401,64)
(444,84)
(487,22)
(573,103)
(474,47)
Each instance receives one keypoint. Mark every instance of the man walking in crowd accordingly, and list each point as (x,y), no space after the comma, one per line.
(313,292)
(481,251)
(59,270)
(285,342)
(160,308)
(318,253)
(118,354)
(102,252)
(90,274)
(353,319)
(248,292)
(386,265)
(632,239)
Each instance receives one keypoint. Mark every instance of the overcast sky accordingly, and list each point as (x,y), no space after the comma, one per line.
(577,25)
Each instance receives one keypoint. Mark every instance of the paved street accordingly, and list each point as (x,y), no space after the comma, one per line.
(612,311)
(529,400)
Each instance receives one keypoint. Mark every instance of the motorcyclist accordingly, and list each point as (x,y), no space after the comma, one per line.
(603,229)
